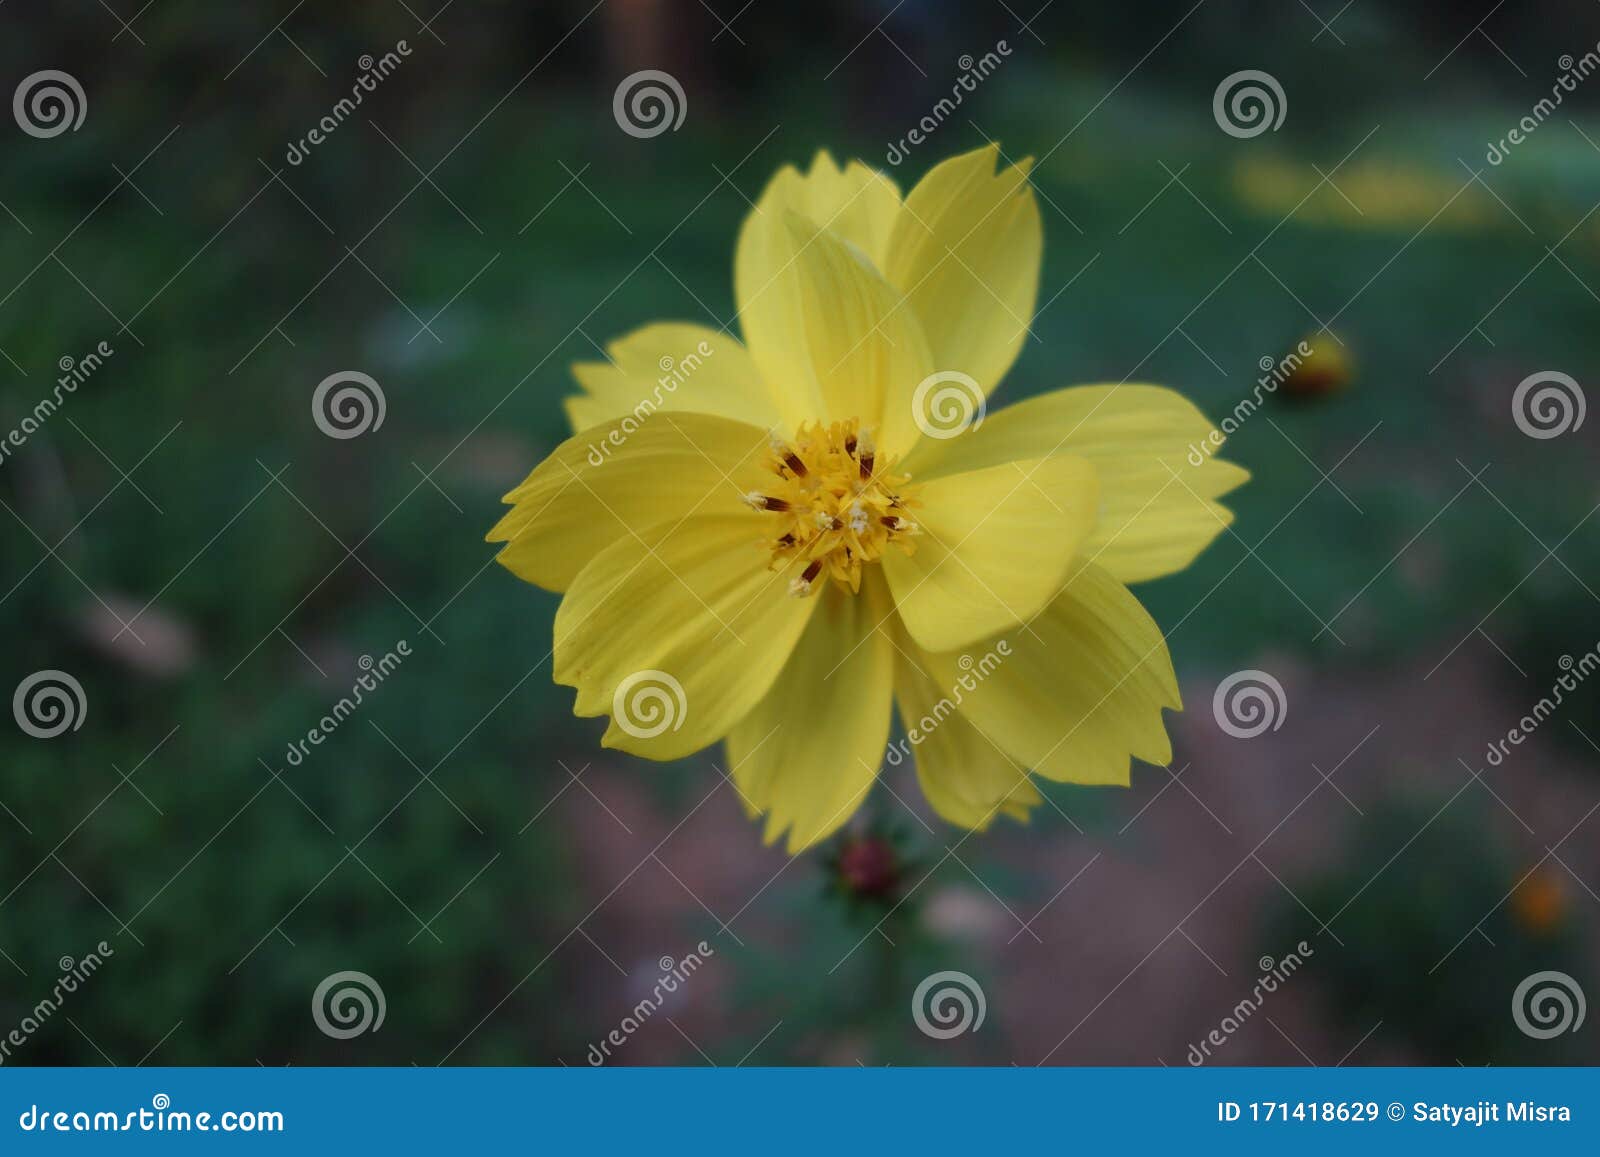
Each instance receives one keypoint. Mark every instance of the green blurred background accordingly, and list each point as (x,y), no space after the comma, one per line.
(1408,564)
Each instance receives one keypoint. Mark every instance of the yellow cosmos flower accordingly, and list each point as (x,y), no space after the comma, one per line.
(777,542)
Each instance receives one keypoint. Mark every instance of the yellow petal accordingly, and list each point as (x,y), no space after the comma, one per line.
(1158,474)
(671,366)
(678,640)
(857,204)
(1076,701)
(831,337)
(625,479)
(966,777)
(807,755)
(965,251)
(995,546)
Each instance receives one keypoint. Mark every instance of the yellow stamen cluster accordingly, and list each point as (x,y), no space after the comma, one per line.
(836,505)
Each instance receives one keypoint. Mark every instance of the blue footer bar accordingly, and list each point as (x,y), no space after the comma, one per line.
(765,1111)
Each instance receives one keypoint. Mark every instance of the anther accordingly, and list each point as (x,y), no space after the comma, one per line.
(759,501)
(800,587)
(900,525)
(785,454)
(868,453)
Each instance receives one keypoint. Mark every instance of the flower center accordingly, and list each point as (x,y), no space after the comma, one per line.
(834,503)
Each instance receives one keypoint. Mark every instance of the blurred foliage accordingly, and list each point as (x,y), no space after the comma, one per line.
(1435,945)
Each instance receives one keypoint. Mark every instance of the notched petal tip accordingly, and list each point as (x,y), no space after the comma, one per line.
(822,161)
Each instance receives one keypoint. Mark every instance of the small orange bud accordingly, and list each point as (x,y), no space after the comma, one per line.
(1540,902)
(868,867)
(1325,371)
